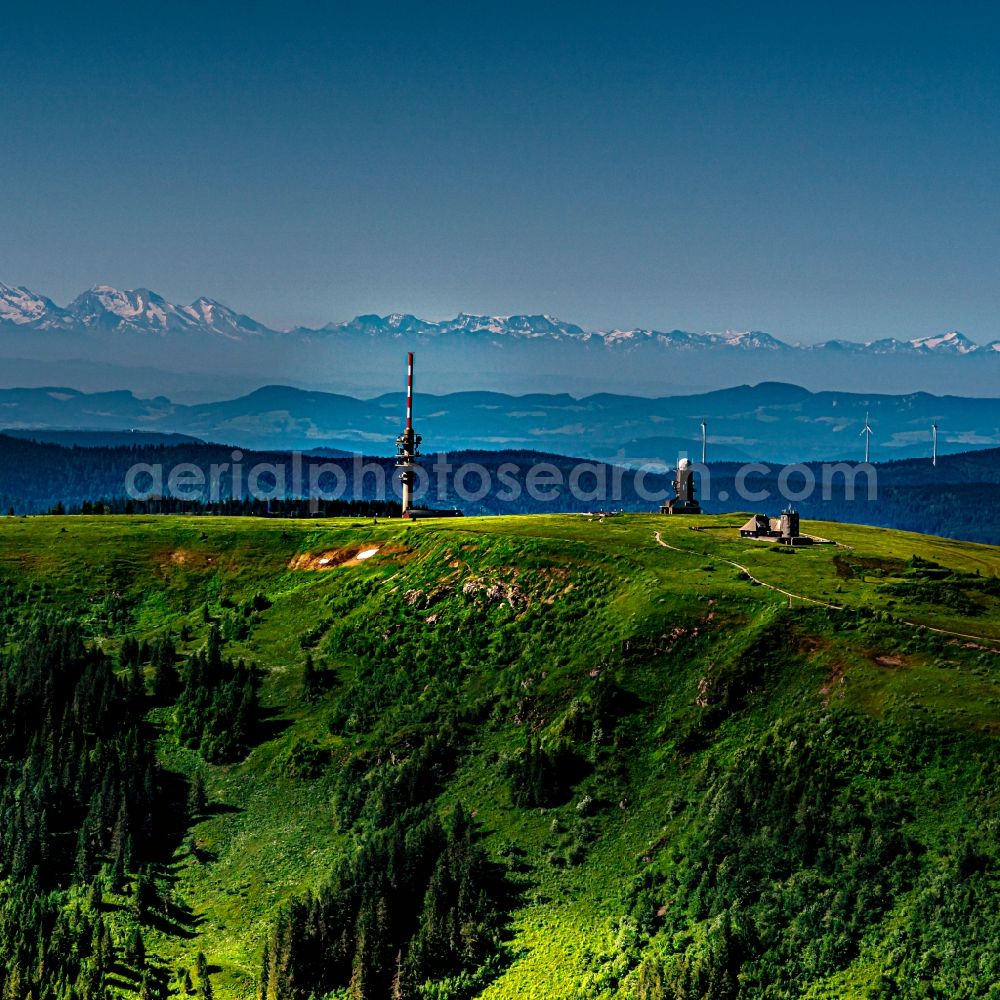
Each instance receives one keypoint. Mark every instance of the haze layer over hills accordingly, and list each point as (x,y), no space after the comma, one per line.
(771,421)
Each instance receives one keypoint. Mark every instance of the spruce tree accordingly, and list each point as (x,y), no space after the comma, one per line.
(310,687)
(197,800)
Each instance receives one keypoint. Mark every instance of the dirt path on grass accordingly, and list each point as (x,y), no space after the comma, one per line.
(761,583)
(826,604)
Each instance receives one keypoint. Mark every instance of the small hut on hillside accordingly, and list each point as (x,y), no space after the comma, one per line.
(783,529)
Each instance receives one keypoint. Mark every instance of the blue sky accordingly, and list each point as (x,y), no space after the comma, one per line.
(814,170)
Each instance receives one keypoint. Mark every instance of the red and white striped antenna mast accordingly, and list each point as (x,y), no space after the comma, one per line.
(409,390)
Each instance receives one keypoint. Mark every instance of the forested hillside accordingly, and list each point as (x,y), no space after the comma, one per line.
(562,757)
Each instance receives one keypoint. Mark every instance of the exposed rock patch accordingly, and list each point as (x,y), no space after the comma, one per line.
(421,599)
(495,592)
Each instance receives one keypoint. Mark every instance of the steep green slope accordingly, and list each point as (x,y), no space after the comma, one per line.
(696,785)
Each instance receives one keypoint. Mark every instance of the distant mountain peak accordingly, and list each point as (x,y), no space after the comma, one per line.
(538,325)
(952,341)
(748,339)
(22,307)
(517,325)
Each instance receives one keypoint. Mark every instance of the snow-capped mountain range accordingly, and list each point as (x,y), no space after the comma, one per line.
(536,326)
(103,309)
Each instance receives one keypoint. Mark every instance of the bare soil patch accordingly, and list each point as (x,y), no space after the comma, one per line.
(354,555)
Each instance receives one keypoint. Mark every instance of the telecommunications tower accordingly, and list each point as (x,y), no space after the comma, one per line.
(408,444)
(407,456)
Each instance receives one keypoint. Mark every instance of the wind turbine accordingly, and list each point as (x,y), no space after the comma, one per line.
(704,440)
(867,432)
(934,446)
